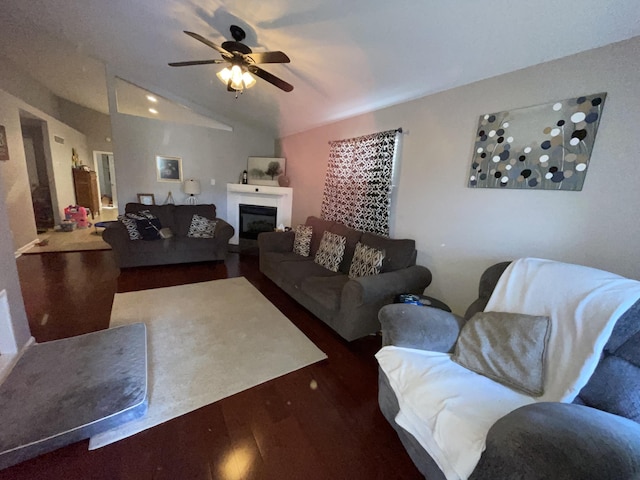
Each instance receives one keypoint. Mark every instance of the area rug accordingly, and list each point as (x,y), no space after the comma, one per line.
(78,240)
(75,241)
(207,341)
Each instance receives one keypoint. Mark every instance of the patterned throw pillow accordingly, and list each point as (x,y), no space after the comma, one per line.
(142,225)
(131,226)
(331,251)
(201,227)
(302,242)
(366,261)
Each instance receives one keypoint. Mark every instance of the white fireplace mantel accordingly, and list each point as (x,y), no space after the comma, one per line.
(266,196)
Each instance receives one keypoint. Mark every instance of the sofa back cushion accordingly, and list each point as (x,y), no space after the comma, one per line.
(615,385)
(319,226)
(164,213)
(399,253)
(352,238)
(184,215)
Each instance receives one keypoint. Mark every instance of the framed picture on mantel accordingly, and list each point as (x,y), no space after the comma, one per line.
(265,170)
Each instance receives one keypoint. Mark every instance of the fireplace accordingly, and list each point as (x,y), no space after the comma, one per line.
(255,219)
(278,198)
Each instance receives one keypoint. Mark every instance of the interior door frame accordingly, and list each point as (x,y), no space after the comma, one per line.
(112,171)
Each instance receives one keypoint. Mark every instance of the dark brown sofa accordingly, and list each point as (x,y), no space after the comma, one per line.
(177,249)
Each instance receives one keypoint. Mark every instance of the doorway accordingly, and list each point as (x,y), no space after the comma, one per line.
(33,141)
(105,169)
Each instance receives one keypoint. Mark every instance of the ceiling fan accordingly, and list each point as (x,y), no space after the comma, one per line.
(242,62)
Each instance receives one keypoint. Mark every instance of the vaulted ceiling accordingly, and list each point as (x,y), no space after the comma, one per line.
(347,57)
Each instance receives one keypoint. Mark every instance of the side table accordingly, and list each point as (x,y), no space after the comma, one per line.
(423,300)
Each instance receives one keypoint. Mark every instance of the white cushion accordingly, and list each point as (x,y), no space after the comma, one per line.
(446,407)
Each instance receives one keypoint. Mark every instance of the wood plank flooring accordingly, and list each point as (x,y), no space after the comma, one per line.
(320,422)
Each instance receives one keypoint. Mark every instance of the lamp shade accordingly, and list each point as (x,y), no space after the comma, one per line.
(191,187)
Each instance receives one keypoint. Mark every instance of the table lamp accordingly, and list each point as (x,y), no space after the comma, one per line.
(192,188)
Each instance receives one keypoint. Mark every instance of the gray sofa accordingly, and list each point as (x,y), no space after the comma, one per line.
(348,306)
(595,437)
(179,248)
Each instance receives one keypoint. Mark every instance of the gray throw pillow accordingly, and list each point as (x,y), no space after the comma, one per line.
(509,348)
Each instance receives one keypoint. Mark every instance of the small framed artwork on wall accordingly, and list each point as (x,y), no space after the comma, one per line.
(146,198)
(169,169)
(265,170)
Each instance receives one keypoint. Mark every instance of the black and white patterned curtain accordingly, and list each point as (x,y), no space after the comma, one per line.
(357,189)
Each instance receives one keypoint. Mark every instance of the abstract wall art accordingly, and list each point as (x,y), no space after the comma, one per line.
(544,147)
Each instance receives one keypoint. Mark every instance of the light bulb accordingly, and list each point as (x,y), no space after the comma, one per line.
(236,78)
(248,79)
(224,75)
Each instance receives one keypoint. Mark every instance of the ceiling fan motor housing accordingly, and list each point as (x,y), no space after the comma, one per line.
(237,33)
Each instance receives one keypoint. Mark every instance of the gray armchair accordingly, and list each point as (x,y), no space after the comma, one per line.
(595,437)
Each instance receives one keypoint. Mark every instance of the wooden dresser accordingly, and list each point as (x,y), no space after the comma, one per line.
(86,186)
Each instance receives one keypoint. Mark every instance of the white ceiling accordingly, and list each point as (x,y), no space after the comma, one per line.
(347,56)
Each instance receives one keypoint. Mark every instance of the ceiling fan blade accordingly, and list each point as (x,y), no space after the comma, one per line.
(268,57)
(209,43)
(195,62)
(272,79)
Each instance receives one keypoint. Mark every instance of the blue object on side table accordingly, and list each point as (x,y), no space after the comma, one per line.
(104,224)
(422,300)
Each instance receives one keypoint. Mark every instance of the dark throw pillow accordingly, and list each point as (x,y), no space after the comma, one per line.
(142,225)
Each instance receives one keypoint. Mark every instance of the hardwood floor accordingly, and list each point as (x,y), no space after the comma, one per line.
(319,422)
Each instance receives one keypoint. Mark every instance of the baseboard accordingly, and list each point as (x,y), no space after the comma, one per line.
(26,247)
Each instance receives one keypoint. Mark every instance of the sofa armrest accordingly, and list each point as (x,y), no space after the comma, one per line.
(560,441)
(116,235)
(224,230)
(415,326)
(363,290)
(276,241)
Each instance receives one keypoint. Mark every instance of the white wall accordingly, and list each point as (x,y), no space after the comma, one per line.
(9,281)
(94,125)
(17,82)
(13,173)
(460,231)
(206,154)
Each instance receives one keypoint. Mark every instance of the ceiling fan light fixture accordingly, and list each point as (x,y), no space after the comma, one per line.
(248,80)
(224,75)
(236,78)
(241,59)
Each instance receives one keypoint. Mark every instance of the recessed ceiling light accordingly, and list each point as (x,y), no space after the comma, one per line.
(153,110)
(151,98)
